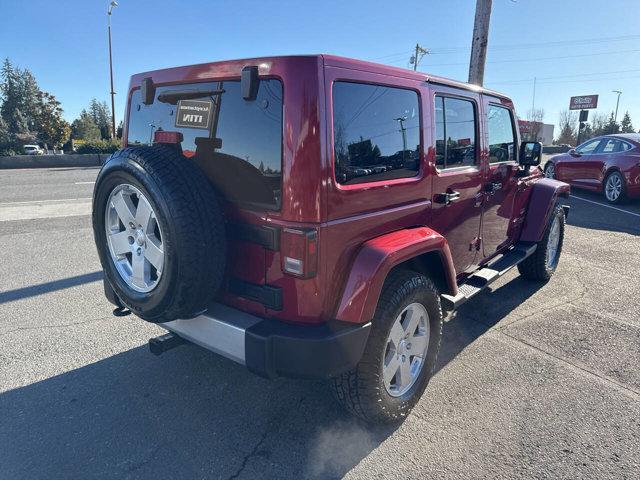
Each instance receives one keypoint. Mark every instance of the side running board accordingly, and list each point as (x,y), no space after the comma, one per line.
(485,276)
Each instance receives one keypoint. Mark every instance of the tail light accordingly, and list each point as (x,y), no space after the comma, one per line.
(299,249)
(161,136)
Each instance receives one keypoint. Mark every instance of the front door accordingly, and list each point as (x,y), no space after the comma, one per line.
(457,181)
(574,169)
(501,183)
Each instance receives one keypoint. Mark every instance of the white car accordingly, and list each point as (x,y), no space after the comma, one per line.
(32,150)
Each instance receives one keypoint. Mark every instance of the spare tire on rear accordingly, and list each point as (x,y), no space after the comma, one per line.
(159,231)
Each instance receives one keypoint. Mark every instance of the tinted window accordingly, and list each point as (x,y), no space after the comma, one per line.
(623,147)
(501,135)
(376,132)
(455,132)
(589,147)
(241,148)
(609,145)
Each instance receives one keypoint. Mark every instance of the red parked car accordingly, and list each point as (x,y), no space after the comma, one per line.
(313,216)
(608,164)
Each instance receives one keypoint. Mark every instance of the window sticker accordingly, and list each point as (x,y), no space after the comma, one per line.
(194,113)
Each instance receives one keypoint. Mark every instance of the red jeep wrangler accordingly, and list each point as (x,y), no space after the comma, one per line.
(312,216)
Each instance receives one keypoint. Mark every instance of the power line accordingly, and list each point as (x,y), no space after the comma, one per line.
(589,41)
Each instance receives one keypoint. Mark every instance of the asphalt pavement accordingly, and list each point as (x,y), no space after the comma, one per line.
(534,380)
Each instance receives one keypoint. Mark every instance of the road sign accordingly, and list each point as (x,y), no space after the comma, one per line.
(583,101)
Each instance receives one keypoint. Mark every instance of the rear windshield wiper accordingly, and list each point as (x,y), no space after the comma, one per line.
(172,96)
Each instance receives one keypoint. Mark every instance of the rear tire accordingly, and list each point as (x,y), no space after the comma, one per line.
(543,262)
(615,188)
(190,232)
(364,391)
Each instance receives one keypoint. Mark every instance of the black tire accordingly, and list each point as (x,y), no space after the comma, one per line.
(623,193)
(362,391)
(539,266)
(191,221)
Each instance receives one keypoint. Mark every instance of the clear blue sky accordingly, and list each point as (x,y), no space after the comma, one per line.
(65,42)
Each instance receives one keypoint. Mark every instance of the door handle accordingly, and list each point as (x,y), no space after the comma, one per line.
(493,187)
(447,197)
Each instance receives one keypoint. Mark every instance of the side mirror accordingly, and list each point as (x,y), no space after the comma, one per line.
(530,153)
(574,153)
(249,83)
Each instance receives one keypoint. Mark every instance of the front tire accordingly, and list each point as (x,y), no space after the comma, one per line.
(401,351)
(550,170)
(542,264)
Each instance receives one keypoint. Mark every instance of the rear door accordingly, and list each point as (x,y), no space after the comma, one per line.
(457,180)
(238,145)
(500,181)
(594,168)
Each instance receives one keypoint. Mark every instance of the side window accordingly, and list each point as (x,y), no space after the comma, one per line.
(610,145)
(588,147)
(376,132)
(501,134)
(455,132)
(623,147)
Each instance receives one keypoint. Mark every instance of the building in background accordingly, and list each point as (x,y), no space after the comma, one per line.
(536,132)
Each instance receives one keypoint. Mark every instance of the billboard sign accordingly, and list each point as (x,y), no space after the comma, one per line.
(583,102)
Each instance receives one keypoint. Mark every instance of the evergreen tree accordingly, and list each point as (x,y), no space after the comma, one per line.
(100,114)
(612,126)
(626,126)
(84,128)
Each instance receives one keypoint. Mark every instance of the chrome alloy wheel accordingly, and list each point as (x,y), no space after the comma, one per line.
(613,187)
(406,349)
(134,238)
(553,243)
(550,171)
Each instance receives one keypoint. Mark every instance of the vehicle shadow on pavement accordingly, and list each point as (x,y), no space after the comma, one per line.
(588,215)
(48,287)
(186,414)
(480,314)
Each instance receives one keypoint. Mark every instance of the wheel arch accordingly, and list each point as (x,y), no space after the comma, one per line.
(544,196)
(419,249)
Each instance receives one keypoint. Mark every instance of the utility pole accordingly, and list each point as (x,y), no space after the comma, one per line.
(479,42)
(415,59)
(615,118)
(533,103)
(112,5)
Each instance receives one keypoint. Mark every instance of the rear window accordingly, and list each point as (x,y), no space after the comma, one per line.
(238,143)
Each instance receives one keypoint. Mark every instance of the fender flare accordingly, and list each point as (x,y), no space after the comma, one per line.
(544,195)
(374,261)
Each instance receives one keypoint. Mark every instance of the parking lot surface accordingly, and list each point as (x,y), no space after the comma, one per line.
(534,380)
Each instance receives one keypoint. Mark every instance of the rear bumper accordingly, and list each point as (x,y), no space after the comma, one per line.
(271,348)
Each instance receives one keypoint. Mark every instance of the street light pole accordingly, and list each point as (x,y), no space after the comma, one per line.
(112,5)
(615,118)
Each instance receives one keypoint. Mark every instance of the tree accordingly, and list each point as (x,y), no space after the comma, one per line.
(535,116)
(53,130)
(84,128)
(567,125)
(612,126)
(100,113)
(626,126)
(120,129)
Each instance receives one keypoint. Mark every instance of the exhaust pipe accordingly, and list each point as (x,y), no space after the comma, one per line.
(161,344)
